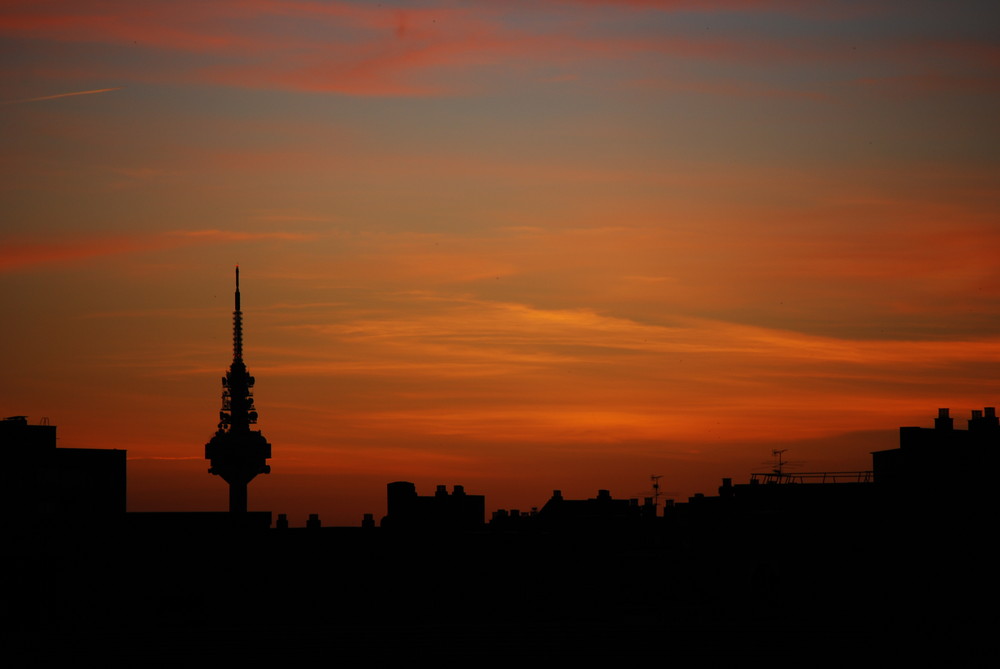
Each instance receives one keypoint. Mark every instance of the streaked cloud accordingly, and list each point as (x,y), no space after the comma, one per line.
(517,372)
(241,236)
(61,95)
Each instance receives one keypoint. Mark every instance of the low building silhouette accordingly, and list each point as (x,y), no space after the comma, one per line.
(440,511)
(602,510)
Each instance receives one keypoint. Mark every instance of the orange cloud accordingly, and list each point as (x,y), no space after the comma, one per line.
(476,368)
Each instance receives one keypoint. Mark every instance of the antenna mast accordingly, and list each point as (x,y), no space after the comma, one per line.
(779,464)
(237,323)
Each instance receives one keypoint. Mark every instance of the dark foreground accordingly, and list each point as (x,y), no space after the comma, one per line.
(371,595)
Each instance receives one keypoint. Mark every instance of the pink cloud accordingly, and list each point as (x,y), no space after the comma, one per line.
(363,50)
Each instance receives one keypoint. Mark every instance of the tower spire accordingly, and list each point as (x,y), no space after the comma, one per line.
(236,452)
(237,323)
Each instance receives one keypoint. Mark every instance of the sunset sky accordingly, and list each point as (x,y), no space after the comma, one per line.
(513,245)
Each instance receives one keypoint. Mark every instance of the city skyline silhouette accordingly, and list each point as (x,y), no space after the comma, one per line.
(855,562)
(605,330)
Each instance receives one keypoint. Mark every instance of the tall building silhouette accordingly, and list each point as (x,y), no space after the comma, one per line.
(236,452)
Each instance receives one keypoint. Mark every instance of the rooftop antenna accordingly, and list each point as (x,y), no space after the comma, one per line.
(779,463)
(655,478)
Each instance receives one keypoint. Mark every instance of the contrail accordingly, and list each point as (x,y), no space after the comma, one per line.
(62,95)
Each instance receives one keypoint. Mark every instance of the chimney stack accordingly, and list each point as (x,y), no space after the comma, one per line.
(944,421)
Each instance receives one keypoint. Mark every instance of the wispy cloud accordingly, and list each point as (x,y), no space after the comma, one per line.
(62,95)
(241,236)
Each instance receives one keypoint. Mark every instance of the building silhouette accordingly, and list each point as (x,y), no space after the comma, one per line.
(236,452)
(601,509)
(59,487)
(440,511)
(956,464)
(599,513)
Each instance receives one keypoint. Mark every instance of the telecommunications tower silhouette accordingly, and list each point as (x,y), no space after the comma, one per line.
(236,452)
